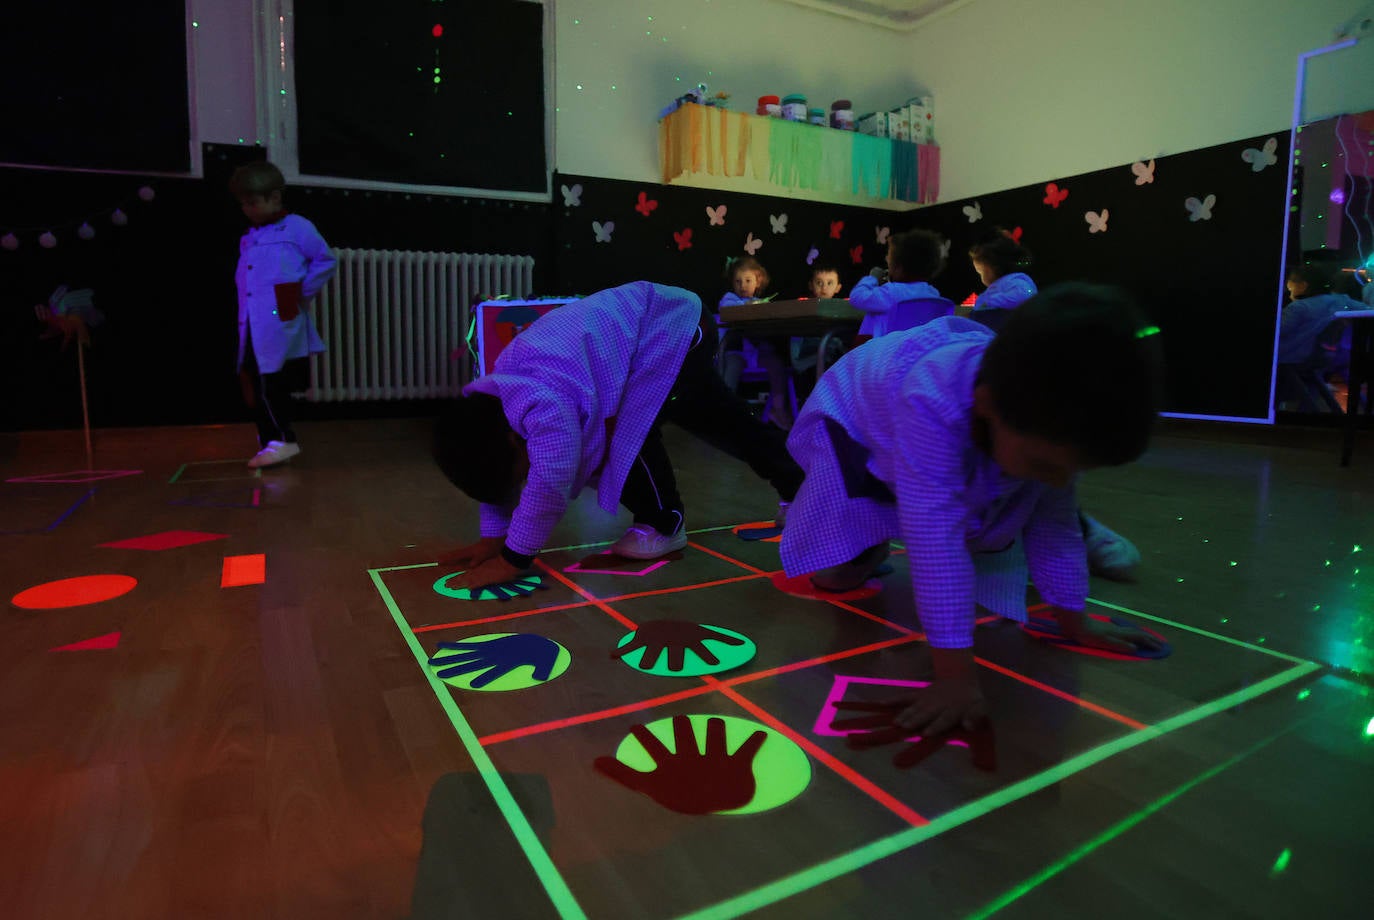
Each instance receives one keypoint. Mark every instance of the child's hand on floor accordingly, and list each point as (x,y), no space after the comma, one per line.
(1077,626)
(474,554)
(947,704)
(492,572)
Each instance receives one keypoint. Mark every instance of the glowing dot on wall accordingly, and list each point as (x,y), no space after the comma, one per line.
(146,193)
(1337,196)
(47,240)
(119,218)
(85,231)
(9,241)
(437,31)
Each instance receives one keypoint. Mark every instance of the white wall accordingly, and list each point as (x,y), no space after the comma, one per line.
(1031,90)
(618,62)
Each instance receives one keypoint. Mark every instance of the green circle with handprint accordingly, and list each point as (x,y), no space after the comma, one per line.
(782,771)
(499,661)
(678,648)
(521,586)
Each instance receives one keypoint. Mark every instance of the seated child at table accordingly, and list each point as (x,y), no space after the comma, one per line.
(901,297)
(966,447)
(999,263)
(748,281)
(578,396)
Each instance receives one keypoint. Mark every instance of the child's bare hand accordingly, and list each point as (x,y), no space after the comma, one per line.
(942,707)
(492,572)
(1111,637)
(473,554)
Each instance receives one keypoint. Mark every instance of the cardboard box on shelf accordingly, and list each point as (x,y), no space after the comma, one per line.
(920,112)
(874,123)
(899,124)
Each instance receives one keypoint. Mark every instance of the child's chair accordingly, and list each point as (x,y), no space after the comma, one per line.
(1306,381)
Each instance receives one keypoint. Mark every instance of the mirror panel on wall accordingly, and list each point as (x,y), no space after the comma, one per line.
(1330,231)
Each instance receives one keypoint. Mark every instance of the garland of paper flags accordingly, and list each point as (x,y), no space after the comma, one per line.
(12,238)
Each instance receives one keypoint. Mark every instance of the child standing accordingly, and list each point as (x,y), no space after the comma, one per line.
(578,396)
(748,281)
(283,263)
(901,297)
(966,447)
(998,263)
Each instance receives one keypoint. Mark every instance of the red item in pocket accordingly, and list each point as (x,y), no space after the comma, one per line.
(288,301)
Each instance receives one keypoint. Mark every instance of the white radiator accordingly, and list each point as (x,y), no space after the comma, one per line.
(395,323)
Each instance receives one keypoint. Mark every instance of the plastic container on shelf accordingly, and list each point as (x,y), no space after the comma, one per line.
(842,115)
(794,107)
(817,117)
(771,106)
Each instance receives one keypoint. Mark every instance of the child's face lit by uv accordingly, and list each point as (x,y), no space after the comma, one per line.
(986,274)
(1024,456)
(1296,288)
(825,284)
(745,283)
(259,209)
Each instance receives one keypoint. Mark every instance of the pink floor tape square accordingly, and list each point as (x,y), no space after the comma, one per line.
(609,558)
(167,539)
(77,476)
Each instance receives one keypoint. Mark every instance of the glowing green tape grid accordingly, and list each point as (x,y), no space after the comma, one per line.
(558,891)
(866,855)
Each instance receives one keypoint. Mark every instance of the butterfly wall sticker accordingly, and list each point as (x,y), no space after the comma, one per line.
(974,212)
(779,222)
(812,255)
(683,238)
(1200,210)
(603,231)
(1097,223)
(572,197)
(836,228)
(1265,156)
(716,215)
(883,233)
(645,205)
(1054,195)
(752,245)
(1144,172)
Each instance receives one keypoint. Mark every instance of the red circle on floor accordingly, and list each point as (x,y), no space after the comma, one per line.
(801,586)
(74,592)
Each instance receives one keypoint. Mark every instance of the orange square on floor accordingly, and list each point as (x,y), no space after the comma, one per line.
(243,570)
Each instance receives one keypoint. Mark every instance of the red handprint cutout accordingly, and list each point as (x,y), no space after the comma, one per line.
(686,780)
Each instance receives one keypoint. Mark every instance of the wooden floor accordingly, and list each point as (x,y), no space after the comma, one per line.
(281,750)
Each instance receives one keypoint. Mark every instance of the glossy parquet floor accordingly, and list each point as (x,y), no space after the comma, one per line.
(281,749)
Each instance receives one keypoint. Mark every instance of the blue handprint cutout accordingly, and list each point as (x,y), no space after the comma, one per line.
(523,586)
(504,661)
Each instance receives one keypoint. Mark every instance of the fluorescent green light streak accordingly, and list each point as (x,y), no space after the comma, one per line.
(1201,632)
(1282,862)
(1369,729)
(854,860)
(1110,834)
(558,891)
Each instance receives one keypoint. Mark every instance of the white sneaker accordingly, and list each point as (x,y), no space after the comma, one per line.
(643,542)
(275,452)
(1109,553)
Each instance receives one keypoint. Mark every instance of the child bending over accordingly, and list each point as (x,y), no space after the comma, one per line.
(579,396)
(966,447)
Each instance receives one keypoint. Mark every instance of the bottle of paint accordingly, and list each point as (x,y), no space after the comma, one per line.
(818,117)
(842,115)
(770,106)
(794,107)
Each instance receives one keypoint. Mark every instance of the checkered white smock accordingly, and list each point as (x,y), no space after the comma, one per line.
(603,364)
(906,400)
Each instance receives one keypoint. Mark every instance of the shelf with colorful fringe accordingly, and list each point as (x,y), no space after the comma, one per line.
(702,139)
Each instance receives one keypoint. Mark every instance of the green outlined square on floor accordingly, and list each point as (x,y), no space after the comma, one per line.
(785,885)
(214,471)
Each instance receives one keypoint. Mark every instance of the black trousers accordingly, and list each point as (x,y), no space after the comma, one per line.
(703,405)
(269,395)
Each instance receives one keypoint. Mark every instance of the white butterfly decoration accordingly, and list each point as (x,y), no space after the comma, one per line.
(1097,223)
(572,197)
(883,233)
(603,231)
(944,248)
(1200,210)
(1144,172)
(813,255)
(779,222)
(1258,159)
(717,215)
(974,212)
(752,245)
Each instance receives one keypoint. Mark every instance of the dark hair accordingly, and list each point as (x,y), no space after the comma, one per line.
(820,268)
(472,448)
(1078,365)
(1002,253)
(1317,280)
(747,264)
(258,178)
(919,253)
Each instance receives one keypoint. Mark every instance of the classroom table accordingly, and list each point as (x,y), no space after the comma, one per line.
(824,318)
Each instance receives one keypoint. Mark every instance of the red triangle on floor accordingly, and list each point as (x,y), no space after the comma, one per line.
(109,640)
(167,539)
